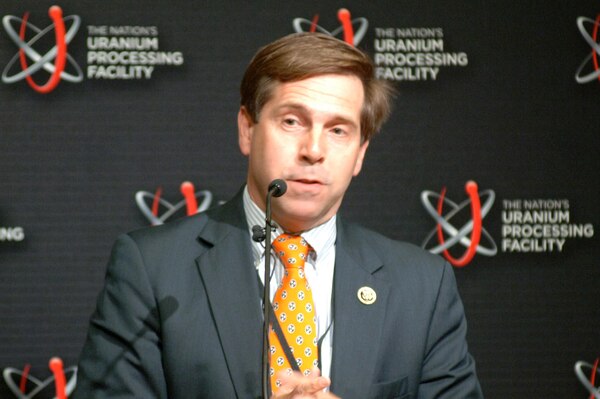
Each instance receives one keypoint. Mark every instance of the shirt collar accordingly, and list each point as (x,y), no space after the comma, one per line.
(321,238)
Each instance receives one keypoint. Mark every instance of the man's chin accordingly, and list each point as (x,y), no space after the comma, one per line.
(300,218)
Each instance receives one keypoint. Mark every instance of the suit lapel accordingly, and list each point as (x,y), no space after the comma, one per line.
(357,326)
(231,284)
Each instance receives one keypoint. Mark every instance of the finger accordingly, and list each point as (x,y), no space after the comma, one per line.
(304,384)
(319,382)
(325,395)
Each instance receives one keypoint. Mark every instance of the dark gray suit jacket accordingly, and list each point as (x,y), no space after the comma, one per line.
(180,317)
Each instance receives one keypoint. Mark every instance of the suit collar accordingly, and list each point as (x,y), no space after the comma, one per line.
(231,285)
(357,326)
(353,240)
(224,220)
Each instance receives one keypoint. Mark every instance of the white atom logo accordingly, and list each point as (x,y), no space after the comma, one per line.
(592,41)
(347,27)
(142,197)
(469,235)
(41,61)
(9,374)
(584,380)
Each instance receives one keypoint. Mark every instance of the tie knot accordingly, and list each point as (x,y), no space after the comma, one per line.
(292,250)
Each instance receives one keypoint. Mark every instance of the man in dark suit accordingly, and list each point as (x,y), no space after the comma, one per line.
(180,314)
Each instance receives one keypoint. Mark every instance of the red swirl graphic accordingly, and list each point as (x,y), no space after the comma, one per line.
(60,61)
(23,382)
(56,365)
(346,21)
(313,25)
(187,190)
(593,376)
(472,191)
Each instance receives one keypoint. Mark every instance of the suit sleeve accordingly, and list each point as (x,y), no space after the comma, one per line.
(448,369)
(121,357)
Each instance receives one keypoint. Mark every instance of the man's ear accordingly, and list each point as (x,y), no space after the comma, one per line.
(245,129)
(361,157)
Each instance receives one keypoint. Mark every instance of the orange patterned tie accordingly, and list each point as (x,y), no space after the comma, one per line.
(294,310)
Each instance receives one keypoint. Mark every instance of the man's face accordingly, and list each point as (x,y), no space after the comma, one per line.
(308,134)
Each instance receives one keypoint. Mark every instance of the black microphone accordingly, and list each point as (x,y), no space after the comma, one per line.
(276,189)
(258,233)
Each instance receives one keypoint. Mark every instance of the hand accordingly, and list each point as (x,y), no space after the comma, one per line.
(298,386)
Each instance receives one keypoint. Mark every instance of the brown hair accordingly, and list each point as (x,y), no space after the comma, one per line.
(303,55)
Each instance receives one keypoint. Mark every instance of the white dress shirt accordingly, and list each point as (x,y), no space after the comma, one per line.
(318,269)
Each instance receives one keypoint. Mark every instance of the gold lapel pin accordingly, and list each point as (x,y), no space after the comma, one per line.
(367,295)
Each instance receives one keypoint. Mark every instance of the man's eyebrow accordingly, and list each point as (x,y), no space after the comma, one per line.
(292,106)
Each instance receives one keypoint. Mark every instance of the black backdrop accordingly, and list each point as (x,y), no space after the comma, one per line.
(513,119)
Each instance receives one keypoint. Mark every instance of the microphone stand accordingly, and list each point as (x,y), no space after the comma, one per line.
(277,188)
(266,299)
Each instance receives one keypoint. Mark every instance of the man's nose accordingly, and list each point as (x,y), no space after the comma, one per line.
(314,146)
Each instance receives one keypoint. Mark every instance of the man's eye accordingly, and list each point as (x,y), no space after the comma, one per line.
(290,122)
(338,131)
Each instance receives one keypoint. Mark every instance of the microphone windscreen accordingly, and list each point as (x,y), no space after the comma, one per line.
(278,187)
(258,233)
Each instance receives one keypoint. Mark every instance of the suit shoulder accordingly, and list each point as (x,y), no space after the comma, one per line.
(392,251)
(189,227)
(172,231)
